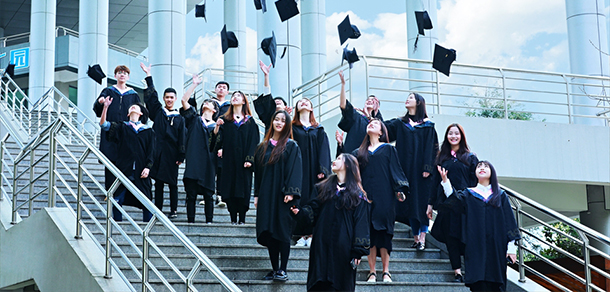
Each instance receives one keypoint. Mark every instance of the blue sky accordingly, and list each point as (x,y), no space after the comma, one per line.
(492,33)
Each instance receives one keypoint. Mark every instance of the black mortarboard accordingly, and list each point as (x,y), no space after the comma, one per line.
(10,70)
(423,21)
(228,39)
(269,47)
(347,30)
(96,73)
(443,58)
(350,56)
(287,9)
(260,4)
(200,11)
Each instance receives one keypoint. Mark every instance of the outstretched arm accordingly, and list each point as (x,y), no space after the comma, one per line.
(107,102)
(343,99)
(185,98)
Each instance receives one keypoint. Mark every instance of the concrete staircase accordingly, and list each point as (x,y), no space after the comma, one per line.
(234,248)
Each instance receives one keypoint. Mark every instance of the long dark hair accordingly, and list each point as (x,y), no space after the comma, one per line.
(495,199)
(297,114)
(214,104)
(363,151)
(245,110)
(285,134)
(420,110)
(462,153)
(353,193)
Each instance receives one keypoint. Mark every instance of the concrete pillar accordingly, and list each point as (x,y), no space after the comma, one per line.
(313,38)
(167,44)
(92,49)
(597,217)
(287,72)
(588,45)
(42,47)
(235,58)
(425,48)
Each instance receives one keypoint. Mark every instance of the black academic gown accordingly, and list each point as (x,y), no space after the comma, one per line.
(486,234)
(170,136)
(239,145)
(448,221)
(382,177)
(199,154)
(271,183)
(117,112)
(417,147)
(265,107)
(339,235)
(354,123)
(135,152)
(222,110)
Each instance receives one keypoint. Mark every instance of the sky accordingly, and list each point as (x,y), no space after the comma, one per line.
(483,32)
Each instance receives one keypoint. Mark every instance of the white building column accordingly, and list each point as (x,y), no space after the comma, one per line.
(167,44)
(588,45)
(425,48)
(235,58)
(92,49)
(287,72)
(42,47)
(313,38)
(597,216)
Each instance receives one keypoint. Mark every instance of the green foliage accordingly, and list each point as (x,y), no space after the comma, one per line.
(492,108)
(561,241)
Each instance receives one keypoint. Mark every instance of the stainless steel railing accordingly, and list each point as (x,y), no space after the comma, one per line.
(589,240)
(506,93)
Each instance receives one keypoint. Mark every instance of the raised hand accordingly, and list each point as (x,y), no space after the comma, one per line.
(197,79)
(145,69)
(107,101)
(264,68)
(443,173)
(339,137)
(289,110)
(342,77)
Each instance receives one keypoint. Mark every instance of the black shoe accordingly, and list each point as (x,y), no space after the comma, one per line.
(269,276)
(241,223)
(458,278)
(172,215)
(421,246)
(280,276)
(415,245)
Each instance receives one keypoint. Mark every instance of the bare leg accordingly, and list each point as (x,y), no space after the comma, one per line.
(385,260)
(372,257)
(422,237)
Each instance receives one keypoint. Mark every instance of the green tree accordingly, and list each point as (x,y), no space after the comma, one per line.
(492,108)
(561,241)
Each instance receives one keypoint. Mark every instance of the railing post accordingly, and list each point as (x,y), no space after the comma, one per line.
(2,143)
(319,100)
(587,257)
(14,215)
(79,195)
(109,198)
(31,188)
(52,152)
(569,97)
(366,72)
(504,94)
(145,234)
(521,259)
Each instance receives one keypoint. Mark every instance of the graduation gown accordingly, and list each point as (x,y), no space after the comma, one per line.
(486,234)
(339,235)
(382,177)
(417,147)
(117,112)
(265,107)
(199,146)
(170,136)
(271,183)
(135,152)
(448,221)
(315,151)
(222,110)
(354,123)
(238,142)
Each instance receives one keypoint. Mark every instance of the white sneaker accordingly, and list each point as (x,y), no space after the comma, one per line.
(220,203)
(301,242)
(308,240)
(202,203)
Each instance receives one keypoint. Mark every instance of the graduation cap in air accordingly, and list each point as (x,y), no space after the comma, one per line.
(200,11)
(443,58)
(287,9)
(228,39)
(10,70)
(260,4)
(96,73)
(423,22)
(269,47)
(347,30)
(350,56)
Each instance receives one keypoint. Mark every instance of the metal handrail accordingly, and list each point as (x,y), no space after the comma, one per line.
(48,141)
(585,234)
(546,95)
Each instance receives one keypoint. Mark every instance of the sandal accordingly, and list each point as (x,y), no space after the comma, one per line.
(389,280)
(370,279)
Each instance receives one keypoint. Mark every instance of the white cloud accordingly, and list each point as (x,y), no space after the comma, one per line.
(495,33)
